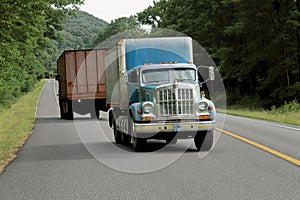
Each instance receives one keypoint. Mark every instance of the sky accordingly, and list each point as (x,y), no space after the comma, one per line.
(108,10)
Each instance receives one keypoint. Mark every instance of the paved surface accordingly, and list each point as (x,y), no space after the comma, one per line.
(77,160)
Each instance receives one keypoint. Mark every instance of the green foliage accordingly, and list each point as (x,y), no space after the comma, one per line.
(26,28)
(77,31)
(255,44)
(293,106)
(115,27)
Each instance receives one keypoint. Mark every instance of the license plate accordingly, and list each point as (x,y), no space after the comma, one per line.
(177,127)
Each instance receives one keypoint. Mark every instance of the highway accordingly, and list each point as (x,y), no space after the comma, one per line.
(78,159)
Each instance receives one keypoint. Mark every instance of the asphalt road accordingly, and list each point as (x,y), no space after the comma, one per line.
(78,160)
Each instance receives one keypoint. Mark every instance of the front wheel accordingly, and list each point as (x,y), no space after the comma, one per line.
(204,140)
(117,133)
(138,144)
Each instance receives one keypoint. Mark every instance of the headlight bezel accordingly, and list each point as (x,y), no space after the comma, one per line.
(203,106)
(148,107)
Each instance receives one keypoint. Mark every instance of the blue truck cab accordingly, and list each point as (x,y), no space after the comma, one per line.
(153,90)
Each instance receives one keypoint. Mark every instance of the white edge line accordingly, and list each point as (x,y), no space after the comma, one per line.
(37,101)
(55,92)
(263,122)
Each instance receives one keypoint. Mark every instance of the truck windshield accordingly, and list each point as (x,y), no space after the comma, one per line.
(168,75)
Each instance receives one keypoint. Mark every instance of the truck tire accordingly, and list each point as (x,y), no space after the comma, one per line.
(117,133)
(126,139)
(138,144)
(204,140)
(69,112)
(61,108)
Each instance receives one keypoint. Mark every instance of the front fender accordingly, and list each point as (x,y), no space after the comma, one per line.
(134,109)
(212,112)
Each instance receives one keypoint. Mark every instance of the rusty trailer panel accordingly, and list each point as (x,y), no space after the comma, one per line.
(82,74)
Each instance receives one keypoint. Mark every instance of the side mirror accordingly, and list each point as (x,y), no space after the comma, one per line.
(211,73)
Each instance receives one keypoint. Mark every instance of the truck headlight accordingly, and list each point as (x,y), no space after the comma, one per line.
(203,105)
(148,107)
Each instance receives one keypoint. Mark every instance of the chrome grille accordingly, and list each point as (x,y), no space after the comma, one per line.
(175,101)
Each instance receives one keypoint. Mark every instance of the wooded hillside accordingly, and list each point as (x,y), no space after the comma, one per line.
(33,33)
(255,43)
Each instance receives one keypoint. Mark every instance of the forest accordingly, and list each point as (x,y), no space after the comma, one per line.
(255,44)
(27,29)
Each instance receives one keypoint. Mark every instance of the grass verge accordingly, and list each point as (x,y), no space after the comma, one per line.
(287,117)
(16,125)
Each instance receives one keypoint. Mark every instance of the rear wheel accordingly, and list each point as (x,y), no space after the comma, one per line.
(61,108)
(126,139)
(66,109)
(204,140)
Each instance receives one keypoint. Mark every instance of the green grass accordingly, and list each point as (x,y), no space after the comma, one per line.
(16,125)
(292,117)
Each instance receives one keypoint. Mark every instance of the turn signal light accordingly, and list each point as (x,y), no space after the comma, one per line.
(147,118)
(204,116)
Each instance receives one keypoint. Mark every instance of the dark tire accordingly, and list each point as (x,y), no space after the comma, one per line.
(204,140)
(61,108)
(117,133)
(110,119)
(126,139)
(138,144)
(69,110)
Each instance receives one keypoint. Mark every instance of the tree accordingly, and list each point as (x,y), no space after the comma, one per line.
(26,28)
(253,42)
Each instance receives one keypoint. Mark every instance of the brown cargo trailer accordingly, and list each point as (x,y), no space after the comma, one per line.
(81,78)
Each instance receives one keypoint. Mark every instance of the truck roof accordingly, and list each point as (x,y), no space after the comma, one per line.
(168,65)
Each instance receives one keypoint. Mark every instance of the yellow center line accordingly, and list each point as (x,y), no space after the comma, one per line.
(260,146)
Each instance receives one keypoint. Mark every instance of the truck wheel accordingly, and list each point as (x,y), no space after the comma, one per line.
(139,144)
(117,133)
(61,108)
(126,139)
(204,140)
(69,113)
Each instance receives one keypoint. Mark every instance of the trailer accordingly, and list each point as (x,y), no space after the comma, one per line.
(82,83)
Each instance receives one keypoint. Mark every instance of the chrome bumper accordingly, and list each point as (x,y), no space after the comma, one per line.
(168,127)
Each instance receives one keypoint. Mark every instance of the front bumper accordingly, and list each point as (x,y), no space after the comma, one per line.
(183,128)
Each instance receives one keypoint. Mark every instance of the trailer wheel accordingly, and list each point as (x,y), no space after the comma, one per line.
(204,140)
(69,110)
(117,133)
(61,108)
